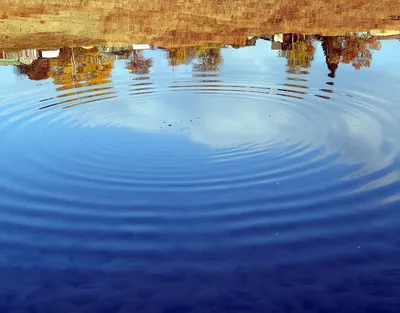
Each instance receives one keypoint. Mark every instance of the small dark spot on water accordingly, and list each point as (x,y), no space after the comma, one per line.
(169,124)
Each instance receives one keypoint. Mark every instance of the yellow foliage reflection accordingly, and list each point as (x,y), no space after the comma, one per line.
(80,66)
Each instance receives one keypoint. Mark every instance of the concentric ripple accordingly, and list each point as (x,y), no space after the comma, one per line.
(167,167)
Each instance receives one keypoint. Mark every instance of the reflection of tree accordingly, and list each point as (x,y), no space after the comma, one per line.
(352,49)
(73,66)
(208,58)
(78,65)
(357,50)
(138,64)
(38,70)
(299,55)
(247,41)
(181,56)
(332,47)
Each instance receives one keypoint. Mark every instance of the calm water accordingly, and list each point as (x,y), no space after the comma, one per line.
(202,180)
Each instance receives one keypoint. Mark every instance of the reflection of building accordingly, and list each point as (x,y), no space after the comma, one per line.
(106,49)
(275,45)
(248,41)
(122,52)
(278,38)
(8,58)
(141,47)
(90,64)
(385,34)
(116,53)
(50,54)
(28,56)
(22,57)
(284,41)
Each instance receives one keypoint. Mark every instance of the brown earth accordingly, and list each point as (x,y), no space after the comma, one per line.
(169,23)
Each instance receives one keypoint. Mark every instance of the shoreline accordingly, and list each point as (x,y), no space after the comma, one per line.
(48,24)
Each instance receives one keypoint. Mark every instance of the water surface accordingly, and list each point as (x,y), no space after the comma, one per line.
(202,179)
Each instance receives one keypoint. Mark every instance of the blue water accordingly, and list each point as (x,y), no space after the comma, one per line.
(243,188)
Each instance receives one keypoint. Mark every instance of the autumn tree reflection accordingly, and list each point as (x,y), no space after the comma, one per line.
(299,55)
(203,58)
(138,64)
(181,56)
(38,70)
(80,66)
(332,47)
(208,60)
(72,67)
(354,49)
(358,50)
(87,66)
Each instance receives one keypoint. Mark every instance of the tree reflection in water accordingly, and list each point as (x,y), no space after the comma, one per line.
(90,67)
